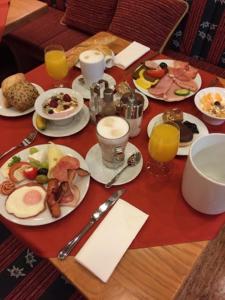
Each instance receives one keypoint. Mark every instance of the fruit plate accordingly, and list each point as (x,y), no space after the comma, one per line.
(170,63)
(45,216)
(203,130)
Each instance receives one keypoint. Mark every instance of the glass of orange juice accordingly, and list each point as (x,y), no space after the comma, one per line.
(162,147)
(56,64)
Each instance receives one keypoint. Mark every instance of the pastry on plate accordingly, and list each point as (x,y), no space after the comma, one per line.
(22,95)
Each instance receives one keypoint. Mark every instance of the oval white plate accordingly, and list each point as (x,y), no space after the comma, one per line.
(45,217)
(169,62)
(203,130)
(76,125)
(103,174)
(11,111)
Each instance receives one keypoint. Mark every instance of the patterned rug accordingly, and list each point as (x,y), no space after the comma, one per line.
(25,276)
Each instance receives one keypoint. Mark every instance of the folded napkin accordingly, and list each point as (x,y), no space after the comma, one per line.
(106,246)
(130,54)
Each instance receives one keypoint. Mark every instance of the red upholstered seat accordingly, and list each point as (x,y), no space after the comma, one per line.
(27,43)
(148,22)
(90,16)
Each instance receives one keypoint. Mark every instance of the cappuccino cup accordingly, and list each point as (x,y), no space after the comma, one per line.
(93,64)
(112,135)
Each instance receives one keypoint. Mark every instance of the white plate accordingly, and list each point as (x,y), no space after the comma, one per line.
(169,62)
(84,90)
(203,130)
(117,97)
(103,174)
(45,217)
(77,124)
(11,111)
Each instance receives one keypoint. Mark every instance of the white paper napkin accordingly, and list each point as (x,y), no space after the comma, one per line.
(130,54)
(106,246)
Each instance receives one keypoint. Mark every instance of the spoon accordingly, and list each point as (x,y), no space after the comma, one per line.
(132,161)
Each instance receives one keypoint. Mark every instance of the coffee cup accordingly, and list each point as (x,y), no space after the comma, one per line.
(93,64)
(113,135)
(203,182)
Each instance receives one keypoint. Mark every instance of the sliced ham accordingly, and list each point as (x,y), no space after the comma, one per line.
(190,85)
(64,164)
(181,64)
(151,64)
(162,87)
(171,93)
(68,193)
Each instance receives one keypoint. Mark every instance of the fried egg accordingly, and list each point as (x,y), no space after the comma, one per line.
(26,201)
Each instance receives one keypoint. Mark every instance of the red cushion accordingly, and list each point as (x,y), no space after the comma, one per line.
(40,29)
(90,15)
(148,22)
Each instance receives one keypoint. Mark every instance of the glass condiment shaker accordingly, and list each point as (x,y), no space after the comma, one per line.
(108,107)
(131,108)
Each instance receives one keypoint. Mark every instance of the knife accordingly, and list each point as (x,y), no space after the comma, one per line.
(65,251)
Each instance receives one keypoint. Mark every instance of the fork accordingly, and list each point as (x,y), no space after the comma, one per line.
(24,143)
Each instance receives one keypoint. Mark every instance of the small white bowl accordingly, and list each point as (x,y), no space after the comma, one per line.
(207,116)
(57,119)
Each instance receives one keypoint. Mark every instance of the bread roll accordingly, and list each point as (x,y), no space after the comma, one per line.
(22,95)
(7,83)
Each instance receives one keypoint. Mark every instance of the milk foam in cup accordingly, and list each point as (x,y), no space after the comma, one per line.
(113,134)
(92,64)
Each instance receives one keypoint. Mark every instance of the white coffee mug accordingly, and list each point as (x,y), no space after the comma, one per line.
(203,182)
(93,64)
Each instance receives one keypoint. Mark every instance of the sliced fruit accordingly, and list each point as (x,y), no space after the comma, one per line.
(182,92)
(30,173)
(143,83)
(153,81)
(157,73)
(41,122)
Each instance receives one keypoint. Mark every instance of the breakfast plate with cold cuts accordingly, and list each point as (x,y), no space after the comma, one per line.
(167,80)
(42,184)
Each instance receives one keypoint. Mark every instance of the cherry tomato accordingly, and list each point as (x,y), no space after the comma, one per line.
(16,171)
(156,73)
(30,173)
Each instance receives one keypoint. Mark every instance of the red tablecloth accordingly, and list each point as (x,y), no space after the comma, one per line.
(171,219)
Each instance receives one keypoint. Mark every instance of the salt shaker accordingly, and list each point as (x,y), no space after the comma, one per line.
(108,107)
(95,101)
(131,108)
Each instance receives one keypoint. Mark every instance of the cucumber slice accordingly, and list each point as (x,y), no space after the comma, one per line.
(182,92)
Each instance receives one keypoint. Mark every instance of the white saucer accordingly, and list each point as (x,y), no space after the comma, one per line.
(203,130)
(77,124)
(103,174)
(84,90)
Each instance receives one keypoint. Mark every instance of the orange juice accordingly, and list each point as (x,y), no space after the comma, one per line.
(164,142)
(56,65)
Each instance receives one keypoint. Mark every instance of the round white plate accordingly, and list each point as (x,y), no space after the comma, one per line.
(103,174)
(84,90)
(203,130)
(11,111)
(117,97)
(45,217)
(169,62)
(77,124)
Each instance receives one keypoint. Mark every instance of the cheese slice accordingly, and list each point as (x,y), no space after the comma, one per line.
(54,155)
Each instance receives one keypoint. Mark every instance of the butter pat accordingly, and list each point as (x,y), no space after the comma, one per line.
(106,246)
